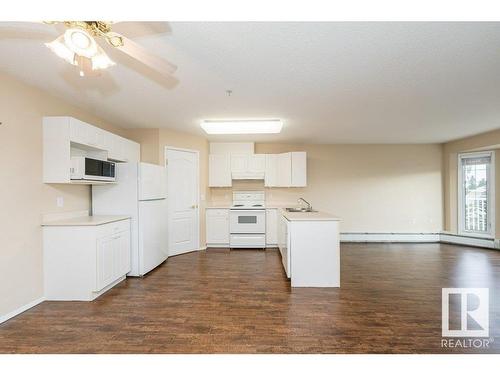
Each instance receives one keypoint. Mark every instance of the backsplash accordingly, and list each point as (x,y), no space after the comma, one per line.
(274,195)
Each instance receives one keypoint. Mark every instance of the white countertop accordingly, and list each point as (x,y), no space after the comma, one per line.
(308,216)
(85,220)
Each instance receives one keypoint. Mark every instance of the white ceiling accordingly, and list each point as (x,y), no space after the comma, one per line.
(329,82)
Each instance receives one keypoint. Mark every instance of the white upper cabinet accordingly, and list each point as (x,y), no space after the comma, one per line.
(132,150)
(64,137)
(248,166)
(122,149)
(239,163)
(85,134)
(257,163)
(271,175)
(298,169)
(286,170)
(219,170)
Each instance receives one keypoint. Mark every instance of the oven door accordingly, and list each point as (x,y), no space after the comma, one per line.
(247,221)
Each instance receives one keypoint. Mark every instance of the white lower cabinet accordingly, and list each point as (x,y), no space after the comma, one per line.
(271,227)
(284,244)
(217,227)
(113,258)
(82,262)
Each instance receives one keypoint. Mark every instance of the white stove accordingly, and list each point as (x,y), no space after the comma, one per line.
(247,220)
(247,207)
(248,200)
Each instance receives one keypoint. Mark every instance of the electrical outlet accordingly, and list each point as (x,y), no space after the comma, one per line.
(60,201)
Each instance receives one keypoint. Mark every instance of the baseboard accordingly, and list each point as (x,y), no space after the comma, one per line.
(468,241)
(389,237)
(20,310)
(442,237)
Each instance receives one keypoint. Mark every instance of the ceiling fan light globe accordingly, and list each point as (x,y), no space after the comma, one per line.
(61,49)
(80,42)
(101,60)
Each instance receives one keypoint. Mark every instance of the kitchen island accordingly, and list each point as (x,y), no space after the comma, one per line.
(309,243)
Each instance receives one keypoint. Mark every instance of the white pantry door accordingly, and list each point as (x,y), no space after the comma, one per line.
(183,190)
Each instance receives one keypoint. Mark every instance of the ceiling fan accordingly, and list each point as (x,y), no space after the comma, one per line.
(78,45)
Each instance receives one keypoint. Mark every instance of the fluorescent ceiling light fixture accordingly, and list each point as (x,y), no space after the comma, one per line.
(242,126)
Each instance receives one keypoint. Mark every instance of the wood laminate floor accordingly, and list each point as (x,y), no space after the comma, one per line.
(221,301)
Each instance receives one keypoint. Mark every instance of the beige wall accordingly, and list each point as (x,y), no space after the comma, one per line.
(23,196)
(373,188)
(148,138)
(485,141)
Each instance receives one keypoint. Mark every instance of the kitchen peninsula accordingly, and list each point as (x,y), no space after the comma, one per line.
(309,243)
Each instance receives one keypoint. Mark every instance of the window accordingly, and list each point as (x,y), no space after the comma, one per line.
(476,194)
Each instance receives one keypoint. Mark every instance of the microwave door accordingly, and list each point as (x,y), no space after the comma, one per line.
(93,167)
(108,169)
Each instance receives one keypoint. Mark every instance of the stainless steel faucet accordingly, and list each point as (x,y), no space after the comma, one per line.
(309,207)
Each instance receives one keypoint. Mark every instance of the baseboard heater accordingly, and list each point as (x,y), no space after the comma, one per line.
(444,237)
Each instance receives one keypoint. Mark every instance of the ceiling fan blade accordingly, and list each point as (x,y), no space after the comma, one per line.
(139,53)
(26,30)
(138,29)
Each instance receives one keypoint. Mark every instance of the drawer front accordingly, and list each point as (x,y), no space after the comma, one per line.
(247,240)
(113,228)
(217,212)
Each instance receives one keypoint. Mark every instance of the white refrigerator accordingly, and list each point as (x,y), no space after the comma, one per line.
(140,191)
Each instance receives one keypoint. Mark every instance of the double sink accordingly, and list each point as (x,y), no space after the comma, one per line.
(299,209)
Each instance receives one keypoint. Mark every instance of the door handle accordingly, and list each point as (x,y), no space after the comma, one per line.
(194,206)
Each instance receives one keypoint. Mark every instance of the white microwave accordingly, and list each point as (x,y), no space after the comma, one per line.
(83,168)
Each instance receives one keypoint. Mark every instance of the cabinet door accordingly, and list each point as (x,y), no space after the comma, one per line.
(257,163)
(271,226)
(107,140)
(299,169)
(284,169)
(86,134)
(118,151)
(98,138)
(271,173)
(239,163)
(105,262)
(219,170)
(122,253)
(284,244)
(218,226)
(79,132)
(131,150)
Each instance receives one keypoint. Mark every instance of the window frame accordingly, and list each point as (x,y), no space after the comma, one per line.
(490,196)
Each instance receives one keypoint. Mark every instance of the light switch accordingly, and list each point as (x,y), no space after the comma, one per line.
(60,201)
